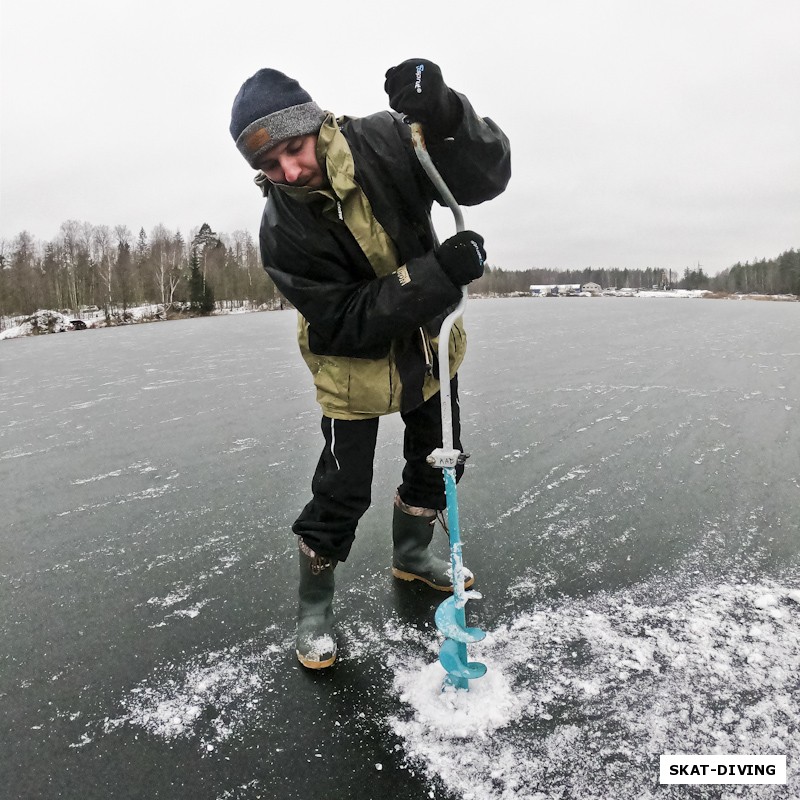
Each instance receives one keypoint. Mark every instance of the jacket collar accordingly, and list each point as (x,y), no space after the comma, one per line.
(334,154)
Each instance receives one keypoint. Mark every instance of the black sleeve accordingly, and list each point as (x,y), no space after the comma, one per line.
(476,161)
(348,316)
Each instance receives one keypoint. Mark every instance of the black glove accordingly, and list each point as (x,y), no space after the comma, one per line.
(416,88)
(462,257)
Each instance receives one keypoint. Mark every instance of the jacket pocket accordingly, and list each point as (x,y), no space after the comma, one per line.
(370,386)
(350,387)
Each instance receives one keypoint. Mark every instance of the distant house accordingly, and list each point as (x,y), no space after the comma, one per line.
(592,288)
(555,289)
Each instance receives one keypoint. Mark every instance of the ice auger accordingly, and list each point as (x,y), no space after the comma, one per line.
(450,615)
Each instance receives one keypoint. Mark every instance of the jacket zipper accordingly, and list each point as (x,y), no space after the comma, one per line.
(427,351)
(391,384)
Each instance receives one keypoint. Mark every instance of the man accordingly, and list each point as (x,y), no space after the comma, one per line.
(346,235)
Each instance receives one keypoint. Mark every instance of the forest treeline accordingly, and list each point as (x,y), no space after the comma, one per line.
(780,275)
(112,268)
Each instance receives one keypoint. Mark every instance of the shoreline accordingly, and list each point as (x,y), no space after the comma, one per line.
(46,321)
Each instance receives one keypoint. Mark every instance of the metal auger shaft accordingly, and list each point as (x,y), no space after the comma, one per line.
(450,615)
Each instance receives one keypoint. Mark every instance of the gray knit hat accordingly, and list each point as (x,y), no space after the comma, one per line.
(269,108)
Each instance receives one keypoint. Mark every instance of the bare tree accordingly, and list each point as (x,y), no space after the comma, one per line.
(177,263)
(102,241)
(70,241)
(167,253)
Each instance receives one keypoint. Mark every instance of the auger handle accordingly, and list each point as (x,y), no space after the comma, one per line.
(436,179)
(425,160)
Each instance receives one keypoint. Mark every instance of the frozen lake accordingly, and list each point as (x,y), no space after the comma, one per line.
(631,510)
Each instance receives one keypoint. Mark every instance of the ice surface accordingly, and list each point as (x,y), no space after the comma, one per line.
(630,512)
(580,697)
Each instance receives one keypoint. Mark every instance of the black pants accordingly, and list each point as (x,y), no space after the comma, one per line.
(342,482)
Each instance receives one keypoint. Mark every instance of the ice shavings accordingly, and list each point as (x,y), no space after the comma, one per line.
(239,791)
(215,696)
(490,704)
(582,696)
(173,598)
(190,612)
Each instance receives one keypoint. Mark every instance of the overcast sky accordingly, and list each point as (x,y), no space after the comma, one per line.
(644,133)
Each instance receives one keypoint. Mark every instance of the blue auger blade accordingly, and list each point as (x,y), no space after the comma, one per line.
(448,621)
(455,682)
(454,661)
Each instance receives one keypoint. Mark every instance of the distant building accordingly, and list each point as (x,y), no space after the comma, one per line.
(557,289)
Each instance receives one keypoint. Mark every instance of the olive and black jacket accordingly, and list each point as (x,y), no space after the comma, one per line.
(357,258)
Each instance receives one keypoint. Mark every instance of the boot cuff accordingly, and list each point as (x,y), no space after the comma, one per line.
(414,511)
(318,562)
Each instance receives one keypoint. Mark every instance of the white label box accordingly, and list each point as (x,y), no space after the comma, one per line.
(747,769)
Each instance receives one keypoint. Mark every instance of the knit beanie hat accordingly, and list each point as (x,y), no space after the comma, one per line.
(269,108)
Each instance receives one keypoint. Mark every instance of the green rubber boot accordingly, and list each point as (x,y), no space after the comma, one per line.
(316,639)
(412,560)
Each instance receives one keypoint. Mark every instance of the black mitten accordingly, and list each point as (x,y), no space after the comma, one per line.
(462,257)
(416,88)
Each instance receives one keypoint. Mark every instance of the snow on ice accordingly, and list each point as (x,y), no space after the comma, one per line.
(580,698)
(586,694)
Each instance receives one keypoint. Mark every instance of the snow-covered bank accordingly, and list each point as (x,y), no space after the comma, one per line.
(709,295)
(683,294)
(675,293)
(41,321)
(48,321)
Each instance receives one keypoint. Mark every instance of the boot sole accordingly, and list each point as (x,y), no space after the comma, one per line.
(315,664)
(410,576)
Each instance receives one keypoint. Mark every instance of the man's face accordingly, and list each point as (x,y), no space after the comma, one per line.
(293,162)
